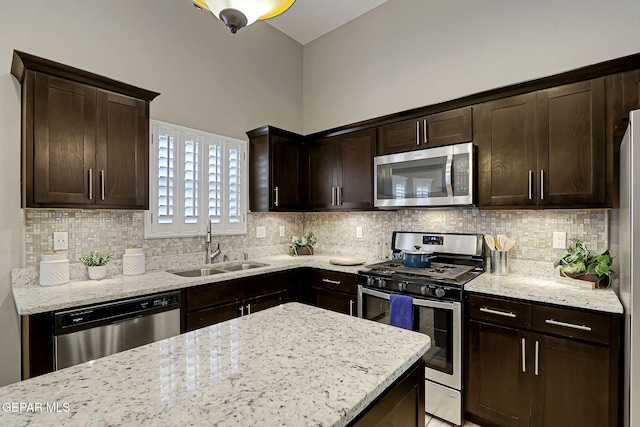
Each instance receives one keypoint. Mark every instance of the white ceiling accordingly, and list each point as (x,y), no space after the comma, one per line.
(306,20)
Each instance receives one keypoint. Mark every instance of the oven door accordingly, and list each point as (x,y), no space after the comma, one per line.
(440,320)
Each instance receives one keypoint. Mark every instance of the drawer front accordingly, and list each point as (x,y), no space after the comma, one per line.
(214,294)
(503,312)
(343,282)
(266,283)
(211,316)
(570,323)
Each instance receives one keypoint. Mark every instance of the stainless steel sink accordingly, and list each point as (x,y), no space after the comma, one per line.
(198,272)
(246,265)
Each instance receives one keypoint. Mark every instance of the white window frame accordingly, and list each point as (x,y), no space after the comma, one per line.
(154,229)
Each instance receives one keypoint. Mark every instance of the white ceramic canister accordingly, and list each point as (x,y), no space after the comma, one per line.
(133,261)
(54,269)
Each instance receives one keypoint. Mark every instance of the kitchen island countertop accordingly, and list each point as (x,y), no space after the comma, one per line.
(291,365)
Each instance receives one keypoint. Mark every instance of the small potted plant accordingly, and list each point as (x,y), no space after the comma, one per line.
(303,246)
(577,262)
(96,263)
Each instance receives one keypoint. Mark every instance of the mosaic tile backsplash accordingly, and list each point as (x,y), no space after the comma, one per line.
(113,231)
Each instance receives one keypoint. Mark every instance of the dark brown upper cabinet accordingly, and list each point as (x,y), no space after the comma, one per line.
(275,178)
(340,171)
(630,92)
(85,138)
(447,127)
(544,149)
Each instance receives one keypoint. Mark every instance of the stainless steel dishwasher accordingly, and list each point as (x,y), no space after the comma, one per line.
(88,333)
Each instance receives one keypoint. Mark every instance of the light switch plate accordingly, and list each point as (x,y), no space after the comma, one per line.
(60,240)
(282,231)
(358,232)
(559,240)
(261,232)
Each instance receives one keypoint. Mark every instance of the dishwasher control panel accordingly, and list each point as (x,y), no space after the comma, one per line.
(115,311)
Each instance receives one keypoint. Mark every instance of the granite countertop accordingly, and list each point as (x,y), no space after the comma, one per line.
(291,365)
(31,298)
(550,290)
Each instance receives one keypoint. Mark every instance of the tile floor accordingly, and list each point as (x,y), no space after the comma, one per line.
(434,422)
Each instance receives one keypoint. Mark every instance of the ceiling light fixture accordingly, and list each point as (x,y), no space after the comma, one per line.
(240,13)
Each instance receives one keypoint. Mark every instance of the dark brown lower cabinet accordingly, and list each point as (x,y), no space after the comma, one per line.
(537,365)
(332,290)
(402,405)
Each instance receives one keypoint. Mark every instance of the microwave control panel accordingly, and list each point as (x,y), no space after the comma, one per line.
(460,179)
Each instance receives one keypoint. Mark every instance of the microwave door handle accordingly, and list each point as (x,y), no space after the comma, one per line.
(447,175)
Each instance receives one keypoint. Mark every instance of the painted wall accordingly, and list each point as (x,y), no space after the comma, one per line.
(407,53)
(208,79)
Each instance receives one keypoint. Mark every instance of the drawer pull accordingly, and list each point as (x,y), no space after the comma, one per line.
(498,313)
(537,356)
(333,282)
(568,325)
(524,360)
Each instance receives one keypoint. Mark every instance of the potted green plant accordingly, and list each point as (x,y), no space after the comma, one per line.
(302,246)
(96,263)
(577,262)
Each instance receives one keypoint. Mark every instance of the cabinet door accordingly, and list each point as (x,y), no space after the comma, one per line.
(253,305)
(448,127)
(285,167)
(497,374)
(335,301)
(572,154)
(122,158)
(211,316)
(505,133)
(62,154)
(630,92)
(355,170)
(401,136)
(570,384)
(322,159)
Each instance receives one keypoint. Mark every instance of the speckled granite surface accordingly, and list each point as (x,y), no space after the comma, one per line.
(546,289)
(292,365)
(31,298)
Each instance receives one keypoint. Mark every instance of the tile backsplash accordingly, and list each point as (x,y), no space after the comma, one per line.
(113,231)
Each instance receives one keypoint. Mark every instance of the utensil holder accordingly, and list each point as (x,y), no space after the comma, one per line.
(499,263)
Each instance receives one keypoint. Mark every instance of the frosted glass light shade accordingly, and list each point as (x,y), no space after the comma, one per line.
(253,10)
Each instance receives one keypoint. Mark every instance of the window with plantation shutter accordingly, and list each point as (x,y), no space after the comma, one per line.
(195,177)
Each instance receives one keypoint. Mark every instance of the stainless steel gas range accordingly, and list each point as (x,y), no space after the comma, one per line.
(436,292)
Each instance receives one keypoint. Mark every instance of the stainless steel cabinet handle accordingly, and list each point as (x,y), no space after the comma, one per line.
(242,310)
(537,357)
(498,313)
(90,184)
(333,196)
(424,131)
(568,325)
(333,282)
(277,201)
(102,185)
(524,360)
(530,185)
(541,184)
(248,308)
(350,307)
(338,196)
(417,132)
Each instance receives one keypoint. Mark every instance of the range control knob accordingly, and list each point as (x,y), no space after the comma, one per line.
(380,283)
(439,292)
(370,281)
(402,286)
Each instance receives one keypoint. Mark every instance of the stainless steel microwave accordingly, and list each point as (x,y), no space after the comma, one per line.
(440,176)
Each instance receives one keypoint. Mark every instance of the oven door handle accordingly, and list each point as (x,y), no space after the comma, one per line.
(416,301)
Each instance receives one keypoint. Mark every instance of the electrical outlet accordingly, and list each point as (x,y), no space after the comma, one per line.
(559,240)
(261,232)
(282,231)
(60,240)
(358,232)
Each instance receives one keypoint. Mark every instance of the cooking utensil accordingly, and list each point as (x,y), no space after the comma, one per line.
(508,244)
(417,259)
(490,242)
(501,239)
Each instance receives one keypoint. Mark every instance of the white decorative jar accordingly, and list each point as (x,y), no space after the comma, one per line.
(133,261)
(54,269)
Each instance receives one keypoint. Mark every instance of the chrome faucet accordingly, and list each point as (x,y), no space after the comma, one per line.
(211,255)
